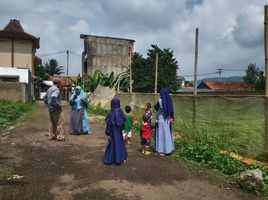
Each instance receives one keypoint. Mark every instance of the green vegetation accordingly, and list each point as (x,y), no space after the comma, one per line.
(97,110)
(255,77)
(11,111)
(203,150)
(144,70)
(50,68)
(90,82)
(235,122)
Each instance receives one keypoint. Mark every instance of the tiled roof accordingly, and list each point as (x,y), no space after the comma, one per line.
(224,85)
(14,30)
(63,80)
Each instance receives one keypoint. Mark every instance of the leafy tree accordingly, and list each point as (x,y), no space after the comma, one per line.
(52,67)
(144,70)
(142,75)
(260,82)
(255,77)
(40,71)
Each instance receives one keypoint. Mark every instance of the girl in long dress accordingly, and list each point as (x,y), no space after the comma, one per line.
(115,150)
(164,143)
(79,118)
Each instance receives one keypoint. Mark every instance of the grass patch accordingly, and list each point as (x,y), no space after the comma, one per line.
(205,151)
(97,110)
(12,111)
(5,172)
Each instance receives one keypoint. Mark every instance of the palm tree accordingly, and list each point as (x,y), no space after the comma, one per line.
(52,67)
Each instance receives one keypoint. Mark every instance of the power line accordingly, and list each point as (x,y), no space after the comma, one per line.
(51,54)
(199,74)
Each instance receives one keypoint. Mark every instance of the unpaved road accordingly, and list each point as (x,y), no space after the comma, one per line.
(74,170)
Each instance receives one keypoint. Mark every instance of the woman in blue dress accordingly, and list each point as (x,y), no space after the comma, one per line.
(164,143)
(115,151)
(79,119)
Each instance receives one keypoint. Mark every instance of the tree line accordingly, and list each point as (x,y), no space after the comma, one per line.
(143,73)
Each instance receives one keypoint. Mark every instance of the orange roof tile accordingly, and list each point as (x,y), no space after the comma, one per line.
(64,82)
(224,85)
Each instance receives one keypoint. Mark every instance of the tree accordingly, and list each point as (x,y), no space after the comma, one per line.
(142,75)
(40,72)
(144,70)
(52,67)
(255,77)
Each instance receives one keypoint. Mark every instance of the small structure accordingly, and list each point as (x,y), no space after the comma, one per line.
(224,86)
(16,84)
(17,61)
(107,54)
(17,48)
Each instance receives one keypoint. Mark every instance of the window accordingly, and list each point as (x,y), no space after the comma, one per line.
(9,78)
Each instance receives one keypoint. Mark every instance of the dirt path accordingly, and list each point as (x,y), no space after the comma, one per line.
(74,170)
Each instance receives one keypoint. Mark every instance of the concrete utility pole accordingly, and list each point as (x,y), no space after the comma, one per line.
(67,52)
(266,47)
(196,60)
(156,73)
(219,71)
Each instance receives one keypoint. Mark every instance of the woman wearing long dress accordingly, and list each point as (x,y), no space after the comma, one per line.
(115,151)
(164,143)
(79,118)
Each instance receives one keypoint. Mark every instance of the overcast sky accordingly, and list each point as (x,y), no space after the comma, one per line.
(231,31)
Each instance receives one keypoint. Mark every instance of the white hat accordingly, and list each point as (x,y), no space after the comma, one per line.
(48,83)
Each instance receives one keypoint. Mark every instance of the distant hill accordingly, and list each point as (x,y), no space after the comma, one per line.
(230,78)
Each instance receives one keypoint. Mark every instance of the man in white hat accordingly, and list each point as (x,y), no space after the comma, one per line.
(52,100)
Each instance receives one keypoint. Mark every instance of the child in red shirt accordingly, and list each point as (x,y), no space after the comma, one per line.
(145,133)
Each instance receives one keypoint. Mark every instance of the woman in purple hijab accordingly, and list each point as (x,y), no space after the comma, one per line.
(115,151)
(164,143)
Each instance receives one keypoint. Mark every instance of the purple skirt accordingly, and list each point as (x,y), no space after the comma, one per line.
(76,121)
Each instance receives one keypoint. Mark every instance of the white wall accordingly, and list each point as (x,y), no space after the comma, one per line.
(23,73)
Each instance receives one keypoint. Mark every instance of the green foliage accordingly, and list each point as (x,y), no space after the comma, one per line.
(10,112)
(136,126)
(52,67)
(144,70)
(90,82)
(5,172)
(204,150)
(255,77)
(40,72)
(97,110)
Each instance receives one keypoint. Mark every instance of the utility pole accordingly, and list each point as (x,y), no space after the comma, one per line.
(266,80)
(266,47)
(219,72)
(67,52)
(156,73)
(196,61)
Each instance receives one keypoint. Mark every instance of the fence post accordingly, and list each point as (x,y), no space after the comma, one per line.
(196,60)
(156,73)
(266,79)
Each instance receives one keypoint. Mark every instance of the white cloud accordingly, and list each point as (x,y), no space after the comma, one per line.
(80,27)
(231,32)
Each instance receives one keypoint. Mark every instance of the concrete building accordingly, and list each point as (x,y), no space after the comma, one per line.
(107,54)
(17,48)
(16,84)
